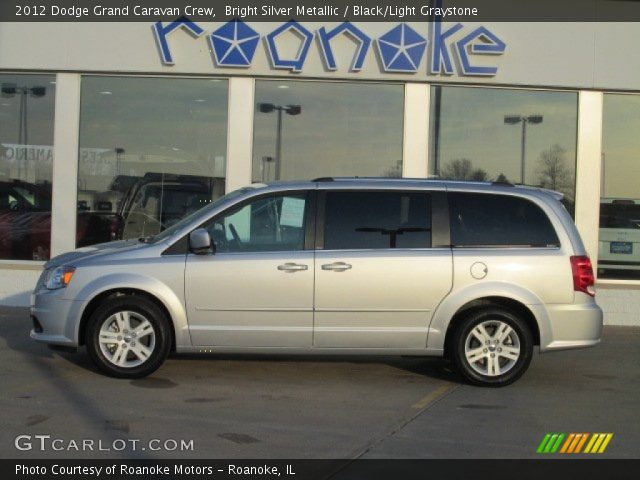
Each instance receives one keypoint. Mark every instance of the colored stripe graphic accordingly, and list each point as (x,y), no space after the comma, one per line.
(556,446)
(598,442)
(567,442)
(581,443)
(573,443)
(543,443)
(550,443)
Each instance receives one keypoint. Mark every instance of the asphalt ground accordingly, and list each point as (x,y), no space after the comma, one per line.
(279,407)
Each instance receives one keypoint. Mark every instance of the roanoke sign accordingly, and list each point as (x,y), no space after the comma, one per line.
(450,49)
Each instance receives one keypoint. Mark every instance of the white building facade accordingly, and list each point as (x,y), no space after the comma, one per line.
(116,130)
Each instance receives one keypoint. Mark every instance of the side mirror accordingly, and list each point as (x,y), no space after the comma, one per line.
(200,242)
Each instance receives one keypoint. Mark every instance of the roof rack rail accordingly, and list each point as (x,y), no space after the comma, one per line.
(323,179)
(502,183)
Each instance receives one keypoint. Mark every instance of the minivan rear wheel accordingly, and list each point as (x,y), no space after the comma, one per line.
(128,337)
(492,347)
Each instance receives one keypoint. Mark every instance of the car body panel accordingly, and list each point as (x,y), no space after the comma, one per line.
(245,300)
(384,300)
(391,301)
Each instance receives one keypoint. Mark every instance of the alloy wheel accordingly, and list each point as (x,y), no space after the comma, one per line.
(492,348)
(127,339)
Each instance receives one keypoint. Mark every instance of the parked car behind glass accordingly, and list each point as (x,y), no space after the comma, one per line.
(157,200)
(619,248)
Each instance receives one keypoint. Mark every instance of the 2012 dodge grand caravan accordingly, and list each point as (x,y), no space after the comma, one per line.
(476,272)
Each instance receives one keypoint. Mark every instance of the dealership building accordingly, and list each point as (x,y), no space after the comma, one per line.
(116,130)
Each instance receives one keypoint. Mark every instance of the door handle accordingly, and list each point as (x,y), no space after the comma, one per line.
(292,267)
(336,266)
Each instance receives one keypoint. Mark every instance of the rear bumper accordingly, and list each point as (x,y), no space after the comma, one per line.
(572,326)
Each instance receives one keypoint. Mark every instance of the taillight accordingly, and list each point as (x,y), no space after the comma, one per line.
(116,227)
(583,279)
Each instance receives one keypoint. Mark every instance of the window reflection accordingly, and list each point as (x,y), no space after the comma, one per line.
(496,134)
(377,220)
(619,246)
(152,150)
(308,129)
(26,159)
(268,224)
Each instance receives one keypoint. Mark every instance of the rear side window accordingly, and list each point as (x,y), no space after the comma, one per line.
(485,220)
(375,220)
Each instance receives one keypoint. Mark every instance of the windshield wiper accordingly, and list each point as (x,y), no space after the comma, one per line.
(147,239)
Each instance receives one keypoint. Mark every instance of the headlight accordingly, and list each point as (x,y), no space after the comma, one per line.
(60,277)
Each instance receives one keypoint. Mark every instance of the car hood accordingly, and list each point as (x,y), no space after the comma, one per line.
(94,251)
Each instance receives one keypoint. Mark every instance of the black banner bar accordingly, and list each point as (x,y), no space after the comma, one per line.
(320,10)
(542,469)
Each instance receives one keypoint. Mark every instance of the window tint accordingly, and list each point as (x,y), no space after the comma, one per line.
(620,214)
(536,127)
(268,224)
(141,170)
(619,235)
(479,220)
(26,160)
(363,220)
(310,129)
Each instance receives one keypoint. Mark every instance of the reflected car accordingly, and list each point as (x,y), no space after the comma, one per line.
(25,220)
(156,201)
(474,272)
(619,241)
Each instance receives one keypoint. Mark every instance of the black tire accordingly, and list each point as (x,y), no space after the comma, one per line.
(140,306)
(515,368)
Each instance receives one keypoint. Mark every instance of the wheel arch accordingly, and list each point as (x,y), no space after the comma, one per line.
(514,306)
(495,294)
(103,296)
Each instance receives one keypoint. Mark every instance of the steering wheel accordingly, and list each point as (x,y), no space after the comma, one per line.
(234,234)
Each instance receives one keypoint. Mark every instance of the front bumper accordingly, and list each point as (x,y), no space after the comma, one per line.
(572,326)
(56,319)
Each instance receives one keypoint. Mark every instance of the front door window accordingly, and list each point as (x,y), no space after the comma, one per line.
(268,224)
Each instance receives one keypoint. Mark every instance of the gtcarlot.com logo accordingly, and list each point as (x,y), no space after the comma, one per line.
(45,443)
(574,443)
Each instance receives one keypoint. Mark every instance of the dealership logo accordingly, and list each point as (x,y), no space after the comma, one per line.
(364,42)
(401,49)
(234,44)
(574,443)
(296,63)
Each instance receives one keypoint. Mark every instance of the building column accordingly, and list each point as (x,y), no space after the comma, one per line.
(588,170)
(416,130)
(65,163)
(240,132)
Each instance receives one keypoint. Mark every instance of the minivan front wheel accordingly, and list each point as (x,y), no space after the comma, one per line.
(492,347)
(128,337)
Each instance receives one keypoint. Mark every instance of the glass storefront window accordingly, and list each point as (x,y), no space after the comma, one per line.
(26,160)
(619,245)
(152,150)
(498,134)
(307,129)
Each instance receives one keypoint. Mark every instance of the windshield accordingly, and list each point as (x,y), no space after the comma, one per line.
(198,213)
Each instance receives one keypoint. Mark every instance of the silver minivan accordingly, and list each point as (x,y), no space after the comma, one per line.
(477,272)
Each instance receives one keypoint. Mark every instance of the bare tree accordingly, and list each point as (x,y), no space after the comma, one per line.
(462,169)
(553,172)
(395,171)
